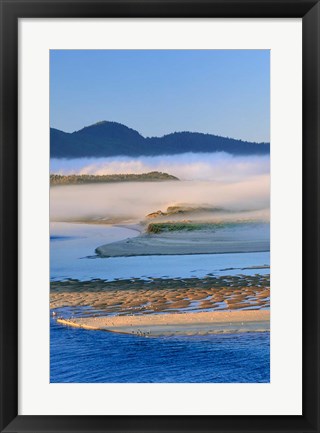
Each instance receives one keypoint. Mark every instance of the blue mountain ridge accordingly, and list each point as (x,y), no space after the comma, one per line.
(105,139)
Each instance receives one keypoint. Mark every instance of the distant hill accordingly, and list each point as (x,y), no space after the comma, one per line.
(81,179)
(105,139)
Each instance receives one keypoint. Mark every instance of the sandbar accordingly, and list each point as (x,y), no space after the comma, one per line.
(213,322)
(188,242)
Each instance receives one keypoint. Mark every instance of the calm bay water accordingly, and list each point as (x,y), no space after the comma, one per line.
(78,355)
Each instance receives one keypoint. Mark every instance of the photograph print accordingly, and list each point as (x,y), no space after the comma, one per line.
(159,216)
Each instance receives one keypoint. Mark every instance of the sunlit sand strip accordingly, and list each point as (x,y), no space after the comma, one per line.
(217,322)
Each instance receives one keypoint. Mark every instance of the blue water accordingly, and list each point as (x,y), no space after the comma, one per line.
(82,356)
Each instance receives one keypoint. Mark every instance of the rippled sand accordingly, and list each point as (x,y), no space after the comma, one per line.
(127,297)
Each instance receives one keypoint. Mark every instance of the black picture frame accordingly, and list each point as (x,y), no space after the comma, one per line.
(11,11)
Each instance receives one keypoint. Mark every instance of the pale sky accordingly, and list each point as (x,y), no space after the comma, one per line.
(156,92)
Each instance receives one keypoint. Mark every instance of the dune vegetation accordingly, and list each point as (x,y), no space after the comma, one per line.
(80,179)
(174,226)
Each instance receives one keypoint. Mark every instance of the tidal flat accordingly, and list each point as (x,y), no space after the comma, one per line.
(164,295)
(165,306)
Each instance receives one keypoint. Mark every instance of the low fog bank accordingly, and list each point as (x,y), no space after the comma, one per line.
(119,202)
(218,166)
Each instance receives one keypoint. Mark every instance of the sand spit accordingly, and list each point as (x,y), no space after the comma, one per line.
(178,324)
(187,242)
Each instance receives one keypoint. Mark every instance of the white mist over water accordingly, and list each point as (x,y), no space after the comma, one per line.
(235,183)
(219,166)
(134,200)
